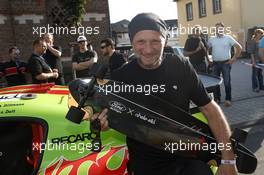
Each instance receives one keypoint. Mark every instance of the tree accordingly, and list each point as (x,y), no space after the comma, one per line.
(74,10)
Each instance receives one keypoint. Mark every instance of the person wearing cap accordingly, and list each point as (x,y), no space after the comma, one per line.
(112,58)
(83,60)
(147,33)
(52,57)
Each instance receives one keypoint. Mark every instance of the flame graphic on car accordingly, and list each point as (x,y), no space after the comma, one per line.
(110,161)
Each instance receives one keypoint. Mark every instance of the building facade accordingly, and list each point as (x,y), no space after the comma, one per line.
(237,15)
(120,33)
(22,21)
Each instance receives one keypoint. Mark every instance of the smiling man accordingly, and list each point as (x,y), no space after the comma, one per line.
(148,36)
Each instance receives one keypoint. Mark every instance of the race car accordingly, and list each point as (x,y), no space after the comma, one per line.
(35,137)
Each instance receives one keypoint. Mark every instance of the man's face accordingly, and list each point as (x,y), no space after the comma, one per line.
(42,47)
(196,32)
(148,47)
(48,38)
(105,49)
(12,54)
(82,44)
(220,30)
(258,35)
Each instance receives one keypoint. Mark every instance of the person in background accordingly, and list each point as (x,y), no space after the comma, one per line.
(84,59)
(53,57)
(14,70)
(196,49)
(221,45)
(261,49)
(257,77)
(41,72)
(112,58)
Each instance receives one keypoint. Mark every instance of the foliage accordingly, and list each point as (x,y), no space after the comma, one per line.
(74,11)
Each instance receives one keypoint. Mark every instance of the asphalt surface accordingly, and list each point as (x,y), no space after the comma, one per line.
(247,110)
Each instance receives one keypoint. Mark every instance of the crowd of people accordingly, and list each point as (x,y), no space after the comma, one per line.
(221,62)
(225,51)
(45,65)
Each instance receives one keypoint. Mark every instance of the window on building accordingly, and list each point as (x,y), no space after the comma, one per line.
(202,8)
(217,6)
(189,11)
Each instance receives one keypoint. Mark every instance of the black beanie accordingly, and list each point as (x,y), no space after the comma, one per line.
(146,21)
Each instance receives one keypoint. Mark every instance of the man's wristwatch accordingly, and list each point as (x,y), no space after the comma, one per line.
(228,162)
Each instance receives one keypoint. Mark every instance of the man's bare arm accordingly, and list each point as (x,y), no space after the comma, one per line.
(79,66)
(253,60)
(54,51)
(45,76)
(221,131)
(261,54)
(238,49)
(85,64)
(188,53)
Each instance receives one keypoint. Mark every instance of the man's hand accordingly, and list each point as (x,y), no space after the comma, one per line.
(198,48)
(210,62)
(227,170)
(48,45)
(231,61)
(261,54)
(103,119)
(55,75)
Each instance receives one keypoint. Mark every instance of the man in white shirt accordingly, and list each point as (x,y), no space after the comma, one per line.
(221,45)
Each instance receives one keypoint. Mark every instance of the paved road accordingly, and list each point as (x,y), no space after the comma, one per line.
(248,106)
(247,110)
(255,143)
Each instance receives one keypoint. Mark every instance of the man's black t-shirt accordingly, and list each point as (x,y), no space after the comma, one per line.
(190,45)
(14,72)
(53,61)
(181,85)
(82,57)
(38,65)
(114,62)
